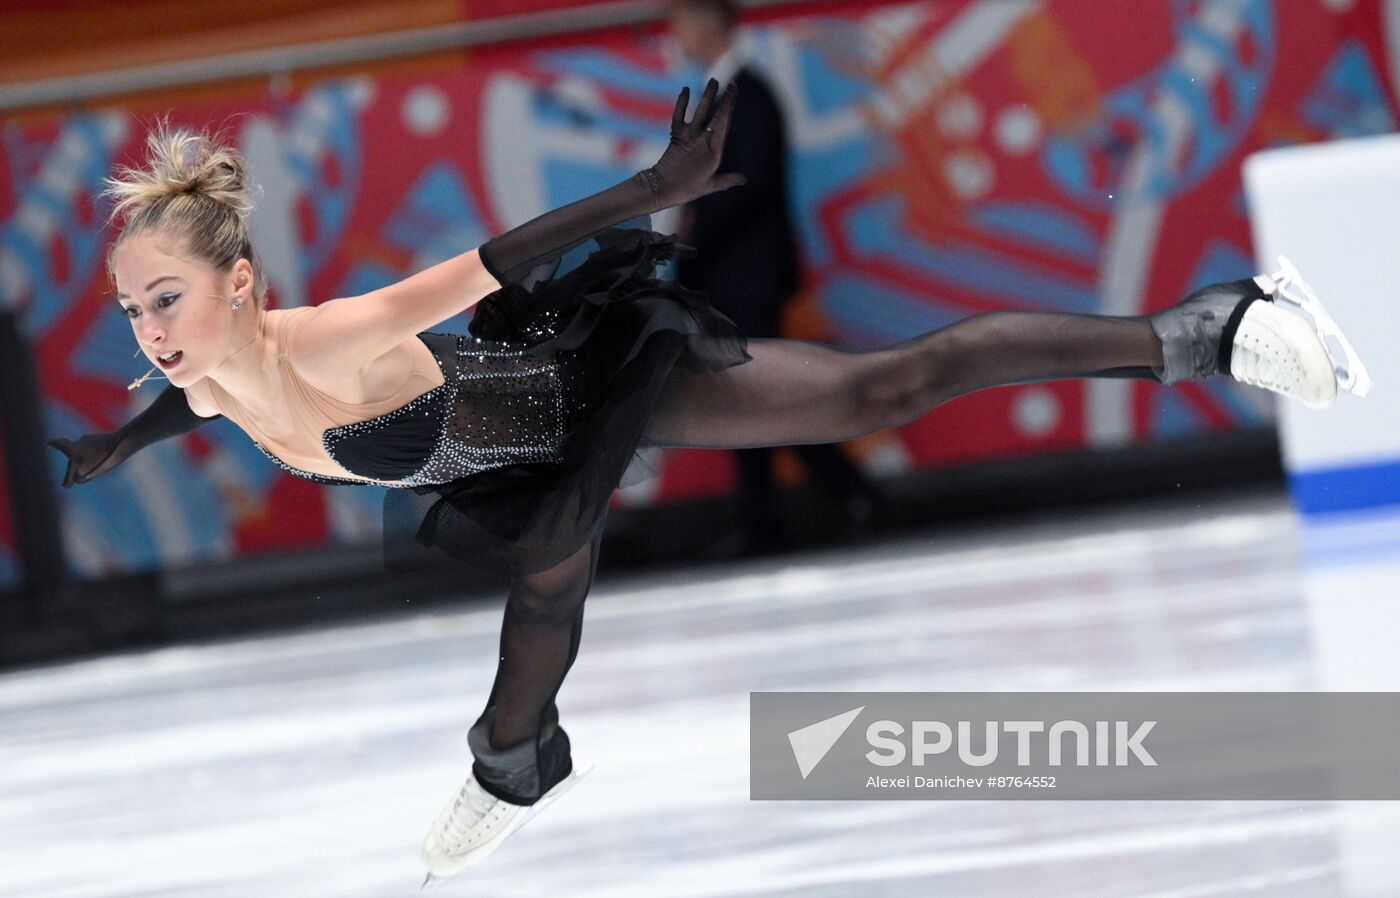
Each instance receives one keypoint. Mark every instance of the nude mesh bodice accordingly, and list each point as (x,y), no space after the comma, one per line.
(496,406)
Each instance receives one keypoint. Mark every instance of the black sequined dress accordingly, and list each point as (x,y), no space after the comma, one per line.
(509,466)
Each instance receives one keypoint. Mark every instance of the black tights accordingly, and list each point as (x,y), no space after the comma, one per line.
(793,391)
(796,391)
(520,749)
(539,641)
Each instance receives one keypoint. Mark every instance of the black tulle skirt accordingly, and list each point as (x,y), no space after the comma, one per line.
(599,309)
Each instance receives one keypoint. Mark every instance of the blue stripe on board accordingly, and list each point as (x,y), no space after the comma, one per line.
(1351,487)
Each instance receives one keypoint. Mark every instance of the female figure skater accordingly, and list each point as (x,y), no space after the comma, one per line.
(506,444)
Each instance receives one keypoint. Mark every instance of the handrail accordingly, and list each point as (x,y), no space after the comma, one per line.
(281,61)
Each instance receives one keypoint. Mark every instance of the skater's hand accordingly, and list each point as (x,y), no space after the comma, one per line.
(90,456)
(686,171)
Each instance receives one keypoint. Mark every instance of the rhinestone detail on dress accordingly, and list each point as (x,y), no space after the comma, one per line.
(498,405)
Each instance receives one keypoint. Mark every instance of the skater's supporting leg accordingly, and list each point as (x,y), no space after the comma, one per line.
(520,749)
(796,391)
(522,754)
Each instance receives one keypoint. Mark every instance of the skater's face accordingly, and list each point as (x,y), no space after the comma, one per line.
(179,304)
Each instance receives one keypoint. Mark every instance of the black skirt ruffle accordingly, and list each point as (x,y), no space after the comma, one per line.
(600,310)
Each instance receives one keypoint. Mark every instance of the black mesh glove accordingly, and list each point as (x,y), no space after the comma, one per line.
(95,454)
(686,171)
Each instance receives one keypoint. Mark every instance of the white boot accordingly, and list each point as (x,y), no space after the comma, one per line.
(1279,351)
(1270,332)
(475,823)
(1292,296)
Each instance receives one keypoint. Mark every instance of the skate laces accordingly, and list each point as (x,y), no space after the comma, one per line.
(472,805)
(1260,369)
(1290,290)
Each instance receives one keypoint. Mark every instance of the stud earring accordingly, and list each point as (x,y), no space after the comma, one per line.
(237,300)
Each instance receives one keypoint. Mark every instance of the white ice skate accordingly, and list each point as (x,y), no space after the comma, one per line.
(1292,346)
(475,823)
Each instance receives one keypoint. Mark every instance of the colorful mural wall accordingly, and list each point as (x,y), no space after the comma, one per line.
(947,159)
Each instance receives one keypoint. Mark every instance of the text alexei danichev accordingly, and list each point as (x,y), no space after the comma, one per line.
(960,782)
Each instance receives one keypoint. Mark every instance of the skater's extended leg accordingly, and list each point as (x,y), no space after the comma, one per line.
(1266,331)
(796,391)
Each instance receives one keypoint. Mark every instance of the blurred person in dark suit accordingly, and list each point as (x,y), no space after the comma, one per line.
(747,261)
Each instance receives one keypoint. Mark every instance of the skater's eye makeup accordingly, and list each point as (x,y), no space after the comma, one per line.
(163,301)
(151,286)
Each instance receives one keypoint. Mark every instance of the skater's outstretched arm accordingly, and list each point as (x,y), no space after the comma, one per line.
(345,333)
(94,454)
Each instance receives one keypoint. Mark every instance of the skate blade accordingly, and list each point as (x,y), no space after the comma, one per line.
(1288,285)
(581,770)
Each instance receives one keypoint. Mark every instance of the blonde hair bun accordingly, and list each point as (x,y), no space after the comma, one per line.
(181,162)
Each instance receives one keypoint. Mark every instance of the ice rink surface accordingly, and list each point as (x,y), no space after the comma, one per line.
(311,764)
